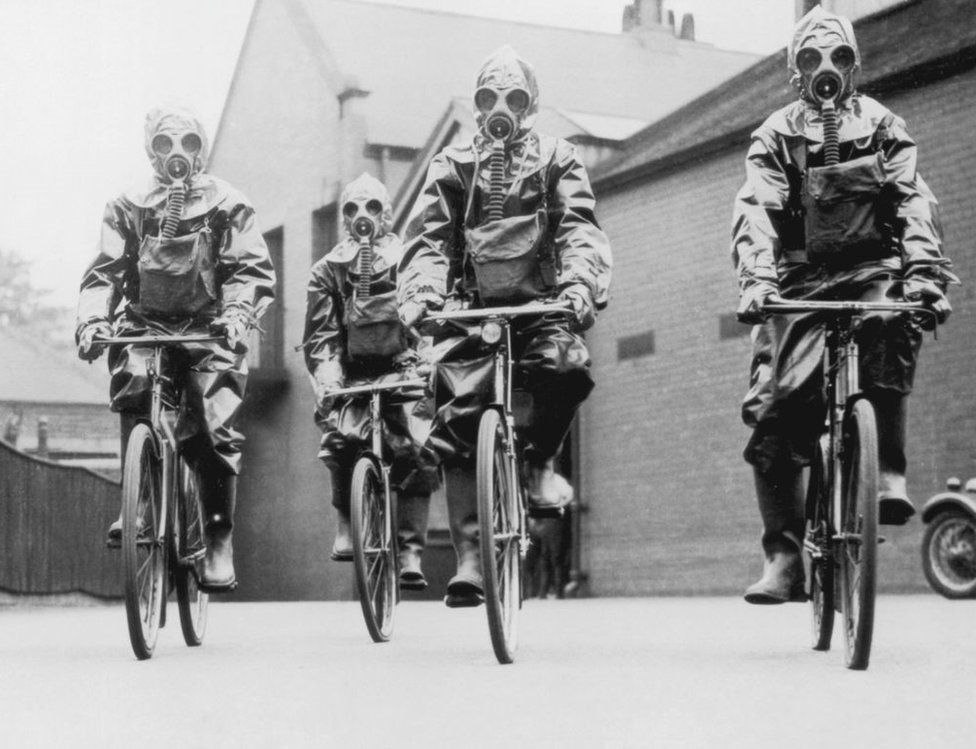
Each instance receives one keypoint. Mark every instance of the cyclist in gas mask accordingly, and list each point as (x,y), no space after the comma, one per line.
(506,219)
(184,256)
(832,209)
(354,336)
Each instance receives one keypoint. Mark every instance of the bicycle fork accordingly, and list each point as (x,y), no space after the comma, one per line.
(846,386)
(376,439)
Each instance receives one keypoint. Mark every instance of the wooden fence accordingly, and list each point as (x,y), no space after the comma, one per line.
(53,520)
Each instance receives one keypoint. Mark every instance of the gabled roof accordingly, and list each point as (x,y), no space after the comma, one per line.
(902,47)
(35,373)
(411,60)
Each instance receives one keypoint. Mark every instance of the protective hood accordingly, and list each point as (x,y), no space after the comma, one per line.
(176,122)
(823,31)
(504,69)
(358,201)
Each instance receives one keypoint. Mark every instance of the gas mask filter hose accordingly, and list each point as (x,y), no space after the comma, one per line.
(496,183)
(365,267)
(174,210)
(830,133)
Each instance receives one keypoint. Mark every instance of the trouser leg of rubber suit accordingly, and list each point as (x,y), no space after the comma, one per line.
(341,480)
(780,493)
(895,508)
(412,511)
(466,588)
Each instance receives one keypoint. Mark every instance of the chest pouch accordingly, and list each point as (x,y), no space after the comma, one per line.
(373,328)
(841,218)
(507,258)
(176,276)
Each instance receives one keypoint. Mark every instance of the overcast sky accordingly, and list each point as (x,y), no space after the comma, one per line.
(77,77)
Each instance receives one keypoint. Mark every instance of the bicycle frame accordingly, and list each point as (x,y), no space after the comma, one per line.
(841,360)
(375,392)
(162,413)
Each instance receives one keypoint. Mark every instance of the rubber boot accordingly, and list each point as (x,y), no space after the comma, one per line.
(218,492)
(342,544)
(466,588)
(412,511)
(126,423)
(894,506)
(780,496)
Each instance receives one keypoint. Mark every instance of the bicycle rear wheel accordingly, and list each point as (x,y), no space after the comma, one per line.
(373,548)
(819,561)
(499,524)
(143,540)
(858,532)
(190,548)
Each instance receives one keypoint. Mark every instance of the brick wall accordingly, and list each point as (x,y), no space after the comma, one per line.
(671,503)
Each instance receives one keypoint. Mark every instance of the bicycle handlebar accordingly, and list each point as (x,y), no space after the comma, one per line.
(376,387)
(485,313)
(153,340)
(812,306)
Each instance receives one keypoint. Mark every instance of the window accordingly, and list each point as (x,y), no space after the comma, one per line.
(635,346)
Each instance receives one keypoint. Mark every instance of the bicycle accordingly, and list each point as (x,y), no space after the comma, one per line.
(841,538)
(373,516)
(162,518)
(502,510)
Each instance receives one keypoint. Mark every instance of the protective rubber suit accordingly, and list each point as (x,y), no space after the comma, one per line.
(832,209)
(506,219)
(353,336)
(184,256)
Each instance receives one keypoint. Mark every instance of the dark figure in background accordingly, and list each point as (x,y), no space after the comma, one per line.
(185,256)
(832,209)
(353,336)
(506,219)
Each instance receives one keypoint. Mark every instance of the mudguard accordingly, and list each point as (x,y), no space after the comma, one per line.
(948,501)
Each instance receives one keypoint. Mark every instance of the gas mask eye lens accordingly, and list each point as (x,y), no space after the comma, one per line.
(374,207)
(808,60)
(518,101)
(191,143)
(349,210)
(843,59)
(484,99)
(162,144)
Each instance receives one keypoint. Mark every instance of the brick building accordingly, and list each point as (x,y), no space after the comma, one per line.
(671,501)
(325,90)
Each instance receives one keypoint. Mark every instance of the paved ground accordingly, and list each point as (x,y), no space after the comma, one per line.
(664,672)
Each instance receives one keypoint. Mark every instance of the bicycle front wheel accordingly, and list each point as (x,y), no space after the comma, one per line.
(820,563)
(858,532)
(373,548)
(143,540)
(499,526)
(190,549)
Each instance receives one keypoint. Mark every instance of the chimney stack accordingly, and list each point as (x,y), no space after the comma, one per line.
(688,27)
(642,14)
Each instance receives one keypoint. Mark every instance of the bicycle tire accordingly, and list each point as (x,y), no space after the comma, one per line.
(373,548)
(143,540)
(949,554)
(499,533)
(858,532)
(820,562)
(190,548)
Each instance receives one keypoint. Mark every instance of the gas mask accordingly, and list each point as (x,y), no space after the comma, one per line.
(176,145)
(367,215)
(501,111)
(823,57)
(506,97)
